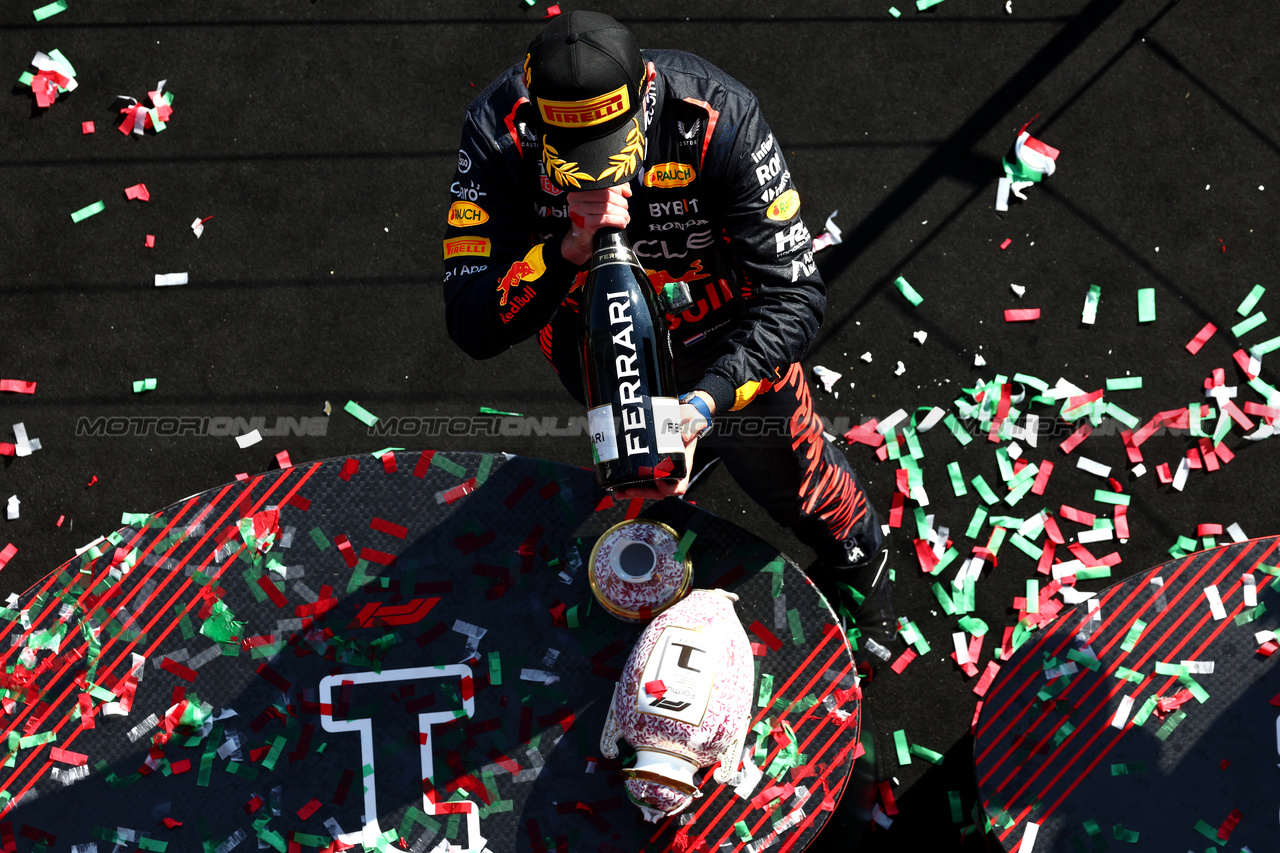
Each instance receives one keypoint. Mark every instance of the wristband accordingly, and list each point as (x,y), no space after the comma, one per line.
(703,409)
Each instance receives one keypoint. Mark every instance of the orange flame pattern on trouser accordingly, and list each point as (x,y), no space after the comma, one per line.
(801,479)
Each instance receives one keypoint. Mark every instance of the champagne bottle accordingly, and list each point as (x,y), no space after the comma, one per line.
(628,371)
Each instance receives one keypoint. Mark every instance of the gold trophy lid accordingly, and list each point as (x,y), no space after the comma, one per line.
(634,570)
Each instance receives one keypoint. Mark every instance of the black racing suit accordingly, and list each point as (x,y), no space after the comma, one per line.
(713,206)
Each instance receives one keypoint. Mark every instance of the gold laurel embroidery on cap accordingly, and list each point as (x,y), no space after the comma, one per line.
(528,73)
(624,163)
(565,174)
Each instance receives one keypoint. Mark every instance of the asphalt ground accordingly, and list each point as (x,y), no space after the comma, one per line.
(320,138)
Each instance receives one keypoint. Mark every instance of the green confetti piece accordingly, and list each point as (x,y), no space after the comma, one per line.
(975,523)
(140,385)
(448,466)
(901,283)
(984,491)
(1122,834)
(1128,769)
(1091,827)
(944,600)
(48,12)
(486,465)
(957,809)
(25,78)
(775,567)
(894,12)
(1163,668)
(1093,573)
(1106,496)
(1124,383)
(957,430)
(797,630)
(485,410)
(1208,830)
(766,690)
(1266,347)
(973,625)
(1248,324)
(206,769)
(926,753)
(1201,695)
(1126,674)
(900,744)
(1091,301)
(1146,304)
(1249,303)
(277,747)
(1025,545)
(319,538)
(740,828)
(1145,711)
(1134,634)
(360,413)
(682,550)
(135,519)
(1092,663)
(957,479)
(1252,614)
(85,212)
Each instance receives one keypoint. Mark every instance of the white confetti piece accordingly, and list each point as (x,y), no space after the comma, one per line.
(1236,532)
(1029,834)
(962,647)
(538,675)
(826,376)
(1088,465)
(900,369)
(1002,193)
(1122,713)
(979,361)
(1250,590)
(1180,476)
(866,356)
(920,336)
(830,235)
(11,508)
(936,414)
(249,439)
(1018,290)
(1199,667)
(169,279)
(1215,602)
(1101,534)
(891,422)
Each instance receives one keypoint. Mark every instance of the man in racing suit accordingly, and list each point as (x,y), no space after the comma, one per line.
(590,132)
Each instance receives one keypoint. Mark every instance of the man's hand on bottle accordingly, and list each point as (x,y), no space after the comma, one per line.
(589,211)
(691,423)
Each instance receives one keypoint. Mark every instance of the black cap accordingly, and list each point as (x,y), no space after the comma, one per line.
(586,76)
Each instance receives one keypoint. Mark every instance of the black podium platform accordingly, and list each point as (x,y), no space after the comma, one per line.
(1150,725)
(395,651)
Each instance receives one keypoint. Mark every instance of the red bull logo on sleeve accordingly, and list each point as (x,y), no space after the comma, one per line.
(530,268)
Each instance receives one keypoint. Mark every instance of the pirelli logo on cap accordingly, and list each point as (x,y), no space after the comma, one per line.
(466,246)
(586,113)
(668,175)
(464,213)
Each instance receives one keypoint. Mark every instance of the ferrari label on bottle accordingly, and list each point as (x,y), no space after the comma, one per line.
(600,422)
(666,424)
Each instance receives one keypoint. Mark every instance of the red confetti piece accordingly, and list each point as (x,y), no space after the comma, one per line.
(349,468)
(552,11)
(1268,648)
(274,678)
(309,809)
(182,766)
(1229,825)
(865,434)
(390,528)
(65,756)
(1242,359)
(346,549)
(896,507)
(988,676)
(1201,338)
(1021,315)
(273,593)
(634,506)
(17,386)
(150,242)
(255,803)
(7,554)
(759,649)
(186,673)
(61,519)
(903,659)
(389,462)
(888,804)
(1008,241)
(1077,515)
(93,481)
(300,502)
(655,688)
(458,492)
(1072,441)
(382,558)
(768,637)
(171,823)
(1275,701)
(1162,471)
(138,191)
(86,127)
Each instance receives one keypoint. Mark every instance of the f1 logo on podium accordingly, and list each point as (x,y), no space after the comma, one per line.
(364,726)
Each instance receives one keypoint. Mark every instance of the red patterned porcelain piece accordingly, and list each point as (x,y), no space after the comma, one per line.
(634,570)
(683,702)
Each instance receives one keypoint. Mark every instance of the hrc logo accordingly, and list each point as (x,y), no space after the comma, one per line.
(586,113)
(466,246)
(464,213)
